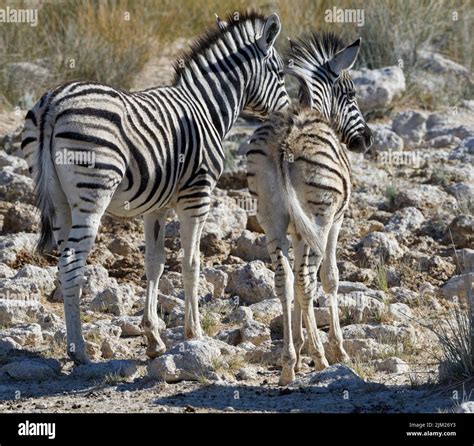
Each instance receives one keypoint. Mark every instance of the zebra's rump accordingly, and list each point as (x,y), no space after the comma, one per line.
(141,147)
(317,162)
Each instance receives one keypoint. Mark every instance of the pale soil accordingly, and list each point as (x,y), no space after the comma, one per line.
(415,391)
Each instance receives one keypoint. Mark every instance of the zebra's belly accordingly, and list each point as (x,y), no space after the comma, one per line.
(125,204)
(121,208)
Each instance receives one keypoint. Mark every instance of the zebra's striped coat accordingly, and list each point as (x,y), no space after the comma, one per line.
(299,172)
(152,150)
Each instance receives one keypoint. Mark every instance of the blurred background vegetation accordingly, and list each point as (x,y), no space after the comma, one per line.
(107,47)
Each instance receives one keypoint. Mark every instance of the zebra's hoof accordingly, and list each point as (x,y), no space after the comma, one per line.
(153,351)
(79,358)
(320,363)
(337,354)
(190,333)
(286,377)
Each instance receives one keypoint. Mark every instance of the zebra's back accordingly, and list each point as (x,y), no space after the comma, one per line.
(317,162)
(142,146)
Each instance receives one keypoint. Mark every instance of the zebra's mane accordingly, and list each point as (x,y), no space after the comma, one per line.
(213,35)
(312,50)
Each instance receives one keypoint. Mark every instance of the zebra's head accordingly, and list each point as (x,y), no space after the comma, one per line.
(266,90)
(322,63)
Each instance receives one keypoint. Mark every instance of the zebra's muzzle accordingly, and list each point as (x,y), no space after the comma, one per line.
(362,142)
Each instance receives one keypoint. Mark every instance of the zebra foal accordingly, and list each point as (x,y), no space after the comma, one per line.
(153,150)
(299,172)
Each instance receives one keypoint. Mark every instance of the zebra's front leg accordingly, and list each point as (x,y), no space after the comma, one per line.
(330,282)
(155,226)
(278,249)
(306,266)
(192,221)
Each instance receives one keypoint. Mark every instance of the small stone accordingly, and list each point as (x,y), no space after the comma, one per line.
(15,187)
(411,126)
(246,374)
(401,311)
(231,336)
(190,360)
(131,325)
(423,196)
(442,141)
(31,370)
(122,246)
(112,348)
(252,282)
(461,232)
(385,139)
(458,286)
(21,217)
(250,246)
(377,88)
(266,310)
(381,245)
(404,221)
(122,368)
(255,332)
(241,315)
(24,334)
(217,278)
(467,407)
(392,365)
(117,300)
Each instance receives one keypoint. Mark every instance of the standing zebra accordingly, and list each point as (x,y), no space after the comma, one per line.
(152,150)
(299,170)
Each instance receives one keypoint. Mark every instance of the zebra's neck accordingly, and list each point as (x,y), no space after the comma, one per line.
(219,82)
(315,95)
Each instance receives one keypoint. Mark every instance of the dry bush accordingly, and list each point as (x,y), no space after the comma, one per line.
(454,336)
(110,41)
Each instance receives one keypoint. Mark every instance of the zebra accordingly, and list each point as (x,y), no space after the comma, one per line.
(299,173)
(154,150)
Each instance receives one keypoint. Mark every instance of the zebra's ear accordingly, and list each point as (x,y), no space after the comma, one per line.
(271,29)
(291,44)
(222,24)
(345,59)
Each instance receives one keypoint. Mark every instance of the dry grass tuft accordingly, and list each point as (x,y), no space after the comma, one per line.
(110,41)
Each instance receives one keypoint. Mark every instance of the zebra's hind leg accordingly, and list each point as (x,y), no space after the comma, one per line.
(330,282)
(72,260)
(306,266)
(154,264)
(278,249)
(192,219)
(298,337)
(61,229)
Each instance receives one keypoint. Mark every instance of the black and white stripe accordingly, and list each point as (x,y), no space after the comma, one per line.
(320,65)
(298,170)
(152,150)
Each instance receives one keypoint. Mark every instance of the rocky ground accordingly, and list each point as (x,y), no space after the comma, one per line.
(405,256)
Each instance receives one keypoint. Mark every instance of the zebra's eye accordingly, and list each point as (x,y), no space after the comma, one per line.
(351,95)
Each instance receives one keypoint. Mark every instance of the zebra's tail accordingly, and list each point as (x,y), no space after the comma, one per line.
(305,226)
(36,146)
